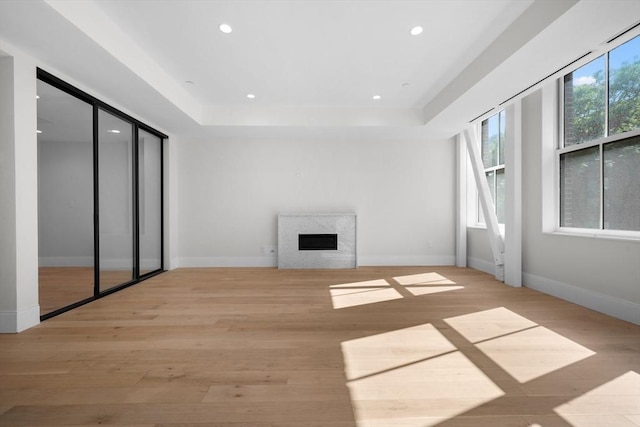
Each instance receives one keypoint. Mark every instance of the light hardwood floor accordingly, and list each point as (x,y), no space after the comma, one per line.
(62,286)
(374,347)
(59,287)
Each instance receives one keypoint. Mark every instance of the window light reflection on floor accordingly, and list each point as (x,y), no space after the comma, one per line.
(519,346)
(426,283)
(488,324)
(362,293)
(604,404)
(423,279)
(412,377)
(382,352)
(373,291)
(416,377)
(532,353)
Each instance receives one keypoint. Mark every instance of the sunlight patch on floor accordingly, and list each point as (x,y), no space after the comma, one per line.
(605,403)
(361,293)
(426,283)
(519,346)
(423,279)
(412,377)
(487,324)
(532,353)
(347,295)
(377,283)
(428,290)
(378,353)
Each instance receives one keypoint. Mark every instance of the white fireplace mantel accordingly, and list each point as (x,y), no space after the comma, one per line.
(290,226)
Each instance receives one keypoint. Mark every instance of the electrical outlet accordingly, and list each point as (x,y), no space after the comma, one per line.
(270,250)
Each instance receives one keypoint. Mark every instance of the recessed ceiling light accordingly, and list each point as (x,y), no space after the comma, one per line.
(416,30)
(250,96)
(113,131)
(225,28)
(405,84)
(189,82)
(38,131)
(376,97)
(37,96)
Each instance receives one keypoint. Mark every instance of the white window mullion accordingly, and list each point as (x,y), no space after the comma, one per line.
(606,95)
(601,148)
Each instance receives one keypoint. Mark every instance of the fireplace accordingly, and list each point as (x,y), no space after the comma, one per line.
(317,241)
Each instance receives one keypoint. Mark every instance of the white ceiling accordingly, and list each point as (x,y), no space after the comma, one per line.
(313,53)
(309,63)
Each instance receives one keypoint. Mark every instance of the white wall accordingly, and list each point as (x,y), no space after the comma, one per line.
(231,192)
(479,255)
(19,308)
(600,273)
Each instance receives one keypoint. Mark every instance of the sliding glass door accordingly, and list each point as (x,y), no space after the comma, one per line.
(150,201)
(115,201)
(100,198)
(65,199)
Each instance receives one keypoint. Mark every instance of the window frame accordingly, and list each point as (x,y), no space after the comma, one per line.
(502,118)
(560,148)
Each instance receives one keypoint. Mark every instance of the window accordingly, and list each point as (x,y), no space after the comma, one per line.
(492,147)
(599,156)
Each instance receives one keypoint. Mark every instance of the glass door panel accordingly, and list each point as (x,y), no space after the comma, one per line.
(65,199)
(150,201)
(115,204)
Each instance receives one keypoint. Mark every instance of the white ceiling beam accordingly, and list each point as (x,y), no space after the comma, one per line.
(533,21)
(92,21)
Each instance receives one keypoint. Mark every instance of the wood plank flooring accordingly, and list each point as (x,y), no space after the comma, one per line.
(62,286)
(59,287)
(371,347)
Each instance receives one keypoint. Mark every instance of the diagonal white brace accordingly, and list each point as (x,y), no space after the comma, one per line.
(491,219)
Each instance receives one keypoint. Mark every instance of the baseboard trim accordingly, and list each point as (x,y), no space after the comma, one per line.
(226,262)
(273,261)
(110,264)
(15,321)
(78,261)
(410,260)
(612,306)
(482,265)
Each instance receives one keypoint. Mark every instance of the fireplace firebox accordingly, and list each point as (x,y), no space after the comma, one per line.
(317,242)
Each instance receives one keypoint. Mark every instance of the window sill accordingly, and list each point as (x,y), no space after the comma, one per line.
(627,236)
(484,227)
(477,226)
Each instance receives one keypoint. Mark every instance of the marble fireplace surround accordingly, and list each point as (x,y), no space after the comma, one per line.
(292,225)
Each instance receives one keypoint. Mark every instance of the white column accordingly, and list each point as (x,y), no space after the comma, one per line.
(490,217)
(549,167)
(461,202)
(170,177)
(19,308)
(513,196)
